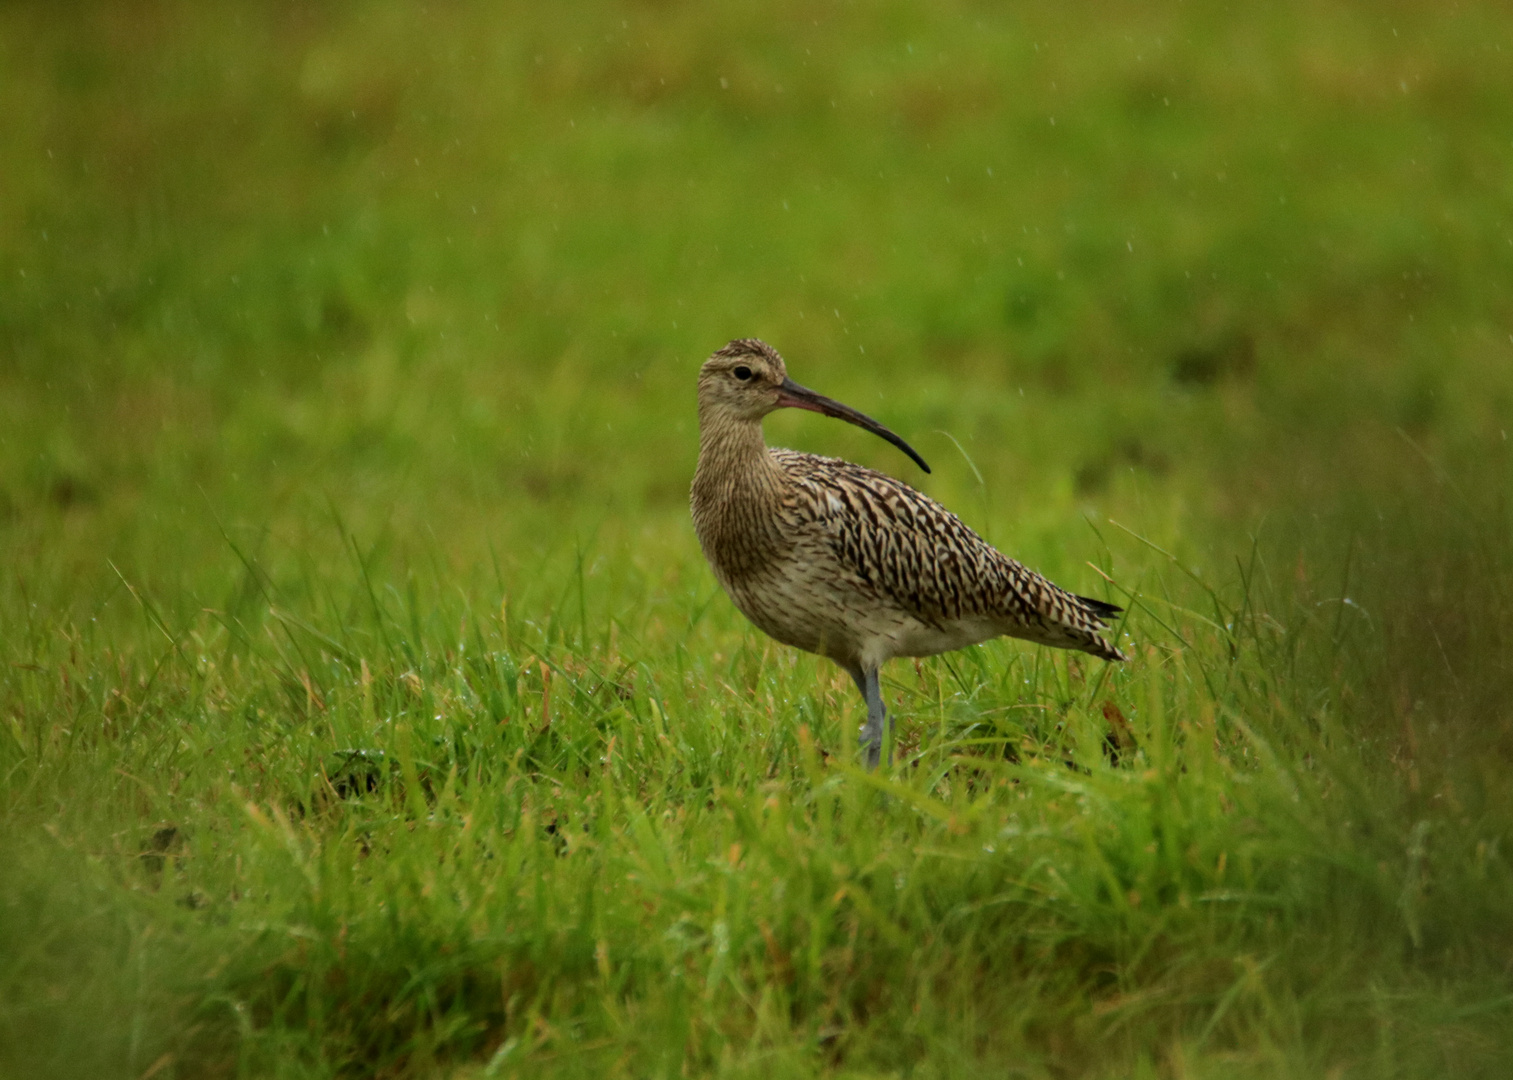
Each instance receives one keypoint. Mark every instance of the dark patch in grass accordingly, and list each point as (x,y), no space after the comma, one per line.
(344,129)
(1120,739)
(164,843)
(1229,356)
(1093,476)
(69,492)
(1023,306)
(1420,403)
(340,320)
(357,772)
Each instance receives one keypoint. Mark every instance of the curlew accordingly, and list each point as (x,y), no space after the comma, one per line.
(846,562)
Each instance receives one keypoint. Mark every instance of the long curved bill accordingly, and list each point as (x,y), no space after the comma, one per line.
(793,396)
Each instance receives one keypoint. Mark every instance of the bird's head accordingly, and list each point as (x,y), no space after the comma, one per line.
(742,381)
(747,379)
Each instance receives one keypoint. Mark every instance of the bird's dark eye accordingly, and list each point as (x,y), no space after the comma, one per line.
(743,373)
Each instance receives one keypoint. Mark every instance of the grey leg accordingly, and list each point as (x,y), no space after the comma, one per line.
(872,731)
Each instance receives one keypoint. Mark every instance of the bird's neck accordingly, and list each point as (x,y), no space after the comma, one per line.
(733,458)
(734,465)
(737,498)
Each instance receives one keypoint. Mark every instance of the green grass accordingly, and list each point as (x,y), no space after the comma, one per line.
(366,707)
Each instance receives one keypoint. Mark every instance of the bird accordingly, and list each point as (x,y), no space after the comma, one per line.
(839,560)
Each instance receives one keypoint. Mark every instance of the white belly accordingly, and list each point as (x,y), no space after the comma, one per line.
(918,639)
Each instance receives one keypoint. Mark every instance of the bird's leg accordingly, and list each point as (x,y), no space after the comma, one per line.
(872,731)
(859,677)
(877,696)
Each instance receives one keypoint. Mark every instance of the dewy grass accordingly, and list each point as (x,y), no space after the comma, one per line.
(490,843)
(366,707)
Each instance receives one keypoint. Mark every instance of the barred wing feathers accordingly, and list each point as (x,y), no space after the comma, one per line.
(908,547)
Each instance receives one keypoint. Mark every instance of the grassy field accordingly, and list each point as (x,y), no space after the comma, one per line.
(367,709)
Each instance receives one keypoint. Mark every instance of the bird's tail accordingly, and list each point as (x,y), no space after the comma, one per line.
(1102,613)
(1101,608)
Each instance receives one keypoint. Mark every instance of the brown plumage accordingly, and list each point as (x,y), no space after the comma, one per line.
(845,562)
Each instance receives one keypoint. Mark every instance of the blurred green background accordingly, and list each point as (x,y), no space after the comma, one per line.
(308,302)
(452,268)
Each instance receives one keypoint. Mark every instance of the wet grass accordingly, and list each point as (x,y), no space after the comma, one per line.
(367,708)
